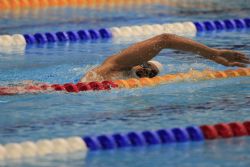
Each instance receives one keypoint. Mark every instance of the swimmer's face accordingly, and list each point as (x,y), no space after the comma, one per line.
(146,70)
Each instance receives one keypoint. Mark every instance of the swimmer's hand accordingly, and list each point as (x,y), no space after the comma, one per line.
(230,58)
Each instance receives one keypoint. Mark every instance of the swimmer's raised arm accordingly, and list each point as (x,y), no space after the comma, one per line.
(134,61)
(144,51)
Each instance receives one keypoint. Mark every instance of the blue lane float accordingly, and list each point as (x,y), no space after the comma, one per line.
(228,24)
(144,138)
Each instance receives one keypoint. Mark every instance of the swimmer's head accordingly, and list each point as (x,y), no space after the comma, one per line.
(149,69)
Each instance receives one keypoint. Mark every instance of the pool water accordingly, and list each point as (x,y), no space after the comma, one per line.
(42,116)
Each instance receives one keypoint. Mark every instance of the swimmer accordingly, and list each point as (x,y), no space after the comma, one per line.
(136,61)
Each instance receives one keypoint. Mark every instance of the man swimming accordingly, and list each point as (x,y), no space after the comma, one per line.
(136,61)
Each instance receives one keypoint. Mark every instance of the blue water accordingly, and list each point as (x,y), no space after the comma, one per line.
(32,117)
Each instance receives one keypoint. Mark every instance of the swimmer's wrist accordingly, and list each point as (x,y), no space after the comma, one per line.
(213,53)
(220,52)
(216,52)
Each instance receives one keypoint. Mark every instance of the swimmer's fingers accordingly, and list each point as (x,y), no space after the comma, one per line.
(246,61)
(225,62)
(234,56)
(240,57)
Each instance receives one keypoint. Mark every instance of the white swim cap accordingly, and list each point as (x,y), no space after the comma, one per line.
(157,64)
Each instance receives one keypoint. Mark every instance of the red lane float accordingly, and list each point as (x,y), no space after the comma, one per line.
(13,90)
(238,129)
(209,132)
(226,130)
(247,126)
(68,87)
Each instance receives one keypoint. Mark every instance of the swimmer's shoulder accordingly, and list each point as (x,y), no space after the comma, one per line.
(106,71)
(95,74)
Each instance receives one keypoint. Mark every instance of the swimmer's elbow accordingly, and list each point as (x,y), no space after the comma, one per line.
(165,36)
(165,39)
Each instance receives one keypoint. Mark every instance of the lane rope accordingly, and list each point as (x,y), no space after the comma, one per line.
(183,28)
(14,5)
(127,84)
(121,140)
